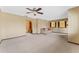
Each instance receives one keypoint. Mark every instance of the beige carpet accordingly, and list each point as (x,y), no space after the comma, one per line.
(38,43)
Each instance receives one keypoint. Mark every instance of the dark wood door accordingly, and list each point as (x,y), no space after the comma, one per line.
(30,27)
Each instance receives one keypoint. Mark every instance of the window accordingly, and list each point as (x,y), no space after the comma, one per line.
(62,24)
(53,24)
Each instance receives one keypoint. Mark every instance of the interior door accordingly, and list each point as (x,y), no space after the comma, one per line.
(30,27)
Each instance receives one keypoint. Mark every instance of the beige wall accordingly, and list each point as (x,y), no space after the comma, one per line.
(42,24)
(37,24)
(11,25)
(73,29)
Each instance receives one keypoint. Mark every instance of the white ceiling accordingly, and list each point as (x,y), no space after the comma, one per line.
(50,12)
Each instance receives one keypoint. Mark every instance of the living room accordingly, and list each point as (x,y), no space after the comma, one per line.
(38,28)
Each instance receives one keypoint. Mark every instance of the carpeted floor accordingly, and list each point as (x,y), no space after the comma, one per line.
(38,43)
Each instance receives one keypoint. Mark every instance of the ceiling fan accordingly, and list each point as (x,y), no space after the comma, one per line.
(35,11)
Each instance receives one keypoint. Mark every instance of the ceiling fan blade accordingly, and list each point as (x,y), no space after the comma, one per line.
(39,9)
(29,12)
(39,12)
(29,9)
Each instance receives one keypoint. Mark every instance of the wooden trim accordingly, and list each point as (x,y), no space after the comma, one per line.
(73,43)
(50,24)
(65,24)
(58,24)
(65,19)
